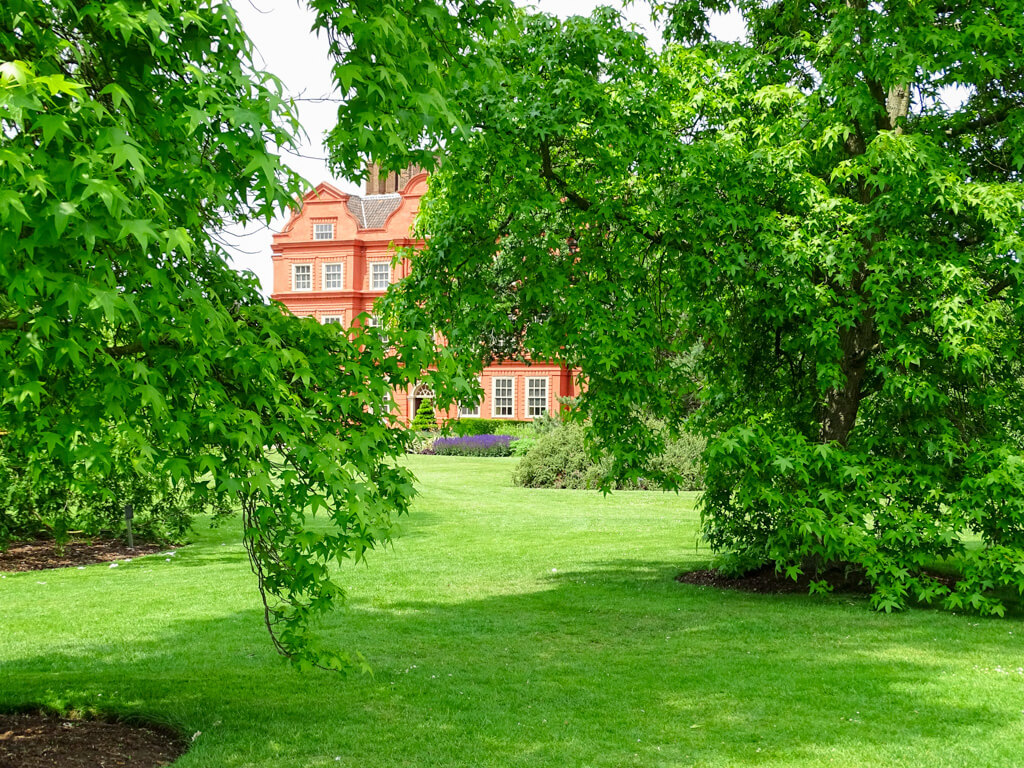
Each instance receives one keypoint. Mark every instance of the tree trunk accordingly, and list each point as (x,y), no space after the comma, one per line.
(897,105)
(839,411)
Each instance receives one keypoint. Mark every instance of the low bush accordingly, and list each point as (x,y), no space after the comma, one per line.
(560,459)
(551,420)
(47,508)
(683,459)
(420,442)
(521,446)
(472,426)
(472,445)
(517,429)
(477,426)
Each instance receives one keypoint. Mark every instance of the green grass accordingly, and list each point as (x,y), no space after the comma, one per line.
(513,627)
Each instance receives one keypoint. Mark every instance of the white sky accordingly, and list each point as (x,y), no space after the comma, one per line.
(281,31)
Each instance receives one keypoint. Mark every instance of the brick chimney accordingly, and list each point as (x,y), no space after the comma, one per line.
(379,184)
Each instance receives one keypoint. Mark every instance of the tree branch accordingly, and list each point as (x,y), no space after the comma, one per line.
(996,288)
(547,172)
(981,123)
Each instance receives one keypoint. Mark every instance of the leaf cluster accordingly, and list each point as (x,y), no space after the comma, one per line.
(131,133)
(805,246)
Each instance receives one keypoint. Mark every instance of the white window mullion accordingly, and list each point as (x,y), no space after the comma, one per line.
(503,397)
(536,397)
(333,277)
(469,410)
(380,275)
(373,321)
(302,277)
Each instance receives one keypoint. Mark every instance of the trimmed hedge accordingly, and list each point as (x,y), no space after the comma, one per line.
(560,460)
(476,426)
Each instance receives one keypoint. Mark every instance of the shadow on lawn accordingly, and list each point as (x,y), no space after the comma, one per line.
(610,666)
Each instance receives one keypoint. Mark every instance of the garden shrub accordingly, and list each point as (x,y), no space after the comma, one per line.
(560,459)
(29,510)
(477,426)
(522,445)
(424,419)
(516,429)
(58,508)
(420,442)
(473,445)
(683,459)
(473,426)
(551,420)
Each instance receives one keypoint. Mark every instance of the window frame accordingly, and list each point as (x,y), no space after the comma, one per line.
(329,319)
(341,276)
(388,404)
(511,397)
(373,266)
(295,269)
(373,321)
(547,396)
(464,413)
(316,235)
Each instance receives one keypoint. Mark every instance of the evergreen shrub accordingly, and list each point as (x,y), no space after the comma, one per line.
(560,459)
(424,420)
(478,426)
(473,426)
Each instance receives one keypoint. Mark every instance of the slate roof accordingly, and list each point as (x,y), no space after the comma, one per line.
(372,211)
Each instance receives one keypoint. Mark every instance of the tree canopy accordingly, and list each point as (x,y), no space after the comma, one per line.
(397,64)
(805,245)
(130,134)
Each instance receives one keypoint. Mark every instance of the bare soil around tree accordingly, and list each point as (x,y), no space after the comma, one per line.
(34,740)
(42,555)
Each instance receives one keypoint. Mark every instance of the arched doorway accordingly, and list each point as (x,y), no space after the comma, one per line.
(419,394)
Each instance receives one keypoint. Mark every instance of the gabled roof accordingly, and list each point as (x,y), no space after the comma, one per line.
(372,211)
(324,191)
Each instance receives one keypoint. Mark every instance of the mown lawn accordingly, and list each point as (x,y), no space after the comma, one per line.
(512,627)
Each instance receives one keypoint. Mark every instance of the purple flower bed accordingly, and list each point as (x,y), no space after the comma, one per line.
(472,445)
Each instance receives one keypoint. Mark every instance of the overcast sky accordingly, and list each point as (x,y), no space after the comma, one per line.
(281,32)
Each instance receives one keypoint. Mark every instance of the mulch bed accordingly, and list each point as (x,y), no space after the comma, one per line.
(40,555)
(46,741)
(766,581)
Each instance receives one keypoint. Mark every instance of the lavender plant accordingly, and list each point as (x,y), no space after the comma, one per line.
(473,445)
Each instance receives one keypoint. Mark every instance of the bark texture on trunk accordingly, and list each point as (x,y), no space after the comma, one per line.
(839,410)
(897,105)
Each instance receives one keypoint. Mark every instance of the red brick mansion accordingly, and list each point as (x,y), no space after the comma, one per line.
(334,259)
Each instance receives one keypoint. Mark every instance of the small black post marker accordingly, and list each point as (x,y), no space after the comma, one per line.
(129,513)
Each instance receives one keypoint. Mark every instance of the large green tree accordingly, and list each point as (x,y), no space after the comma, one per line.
(130,134)
(813,235)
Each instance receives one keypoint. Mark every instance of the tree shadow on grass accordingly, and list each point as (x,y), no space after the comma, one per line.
(610,665)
